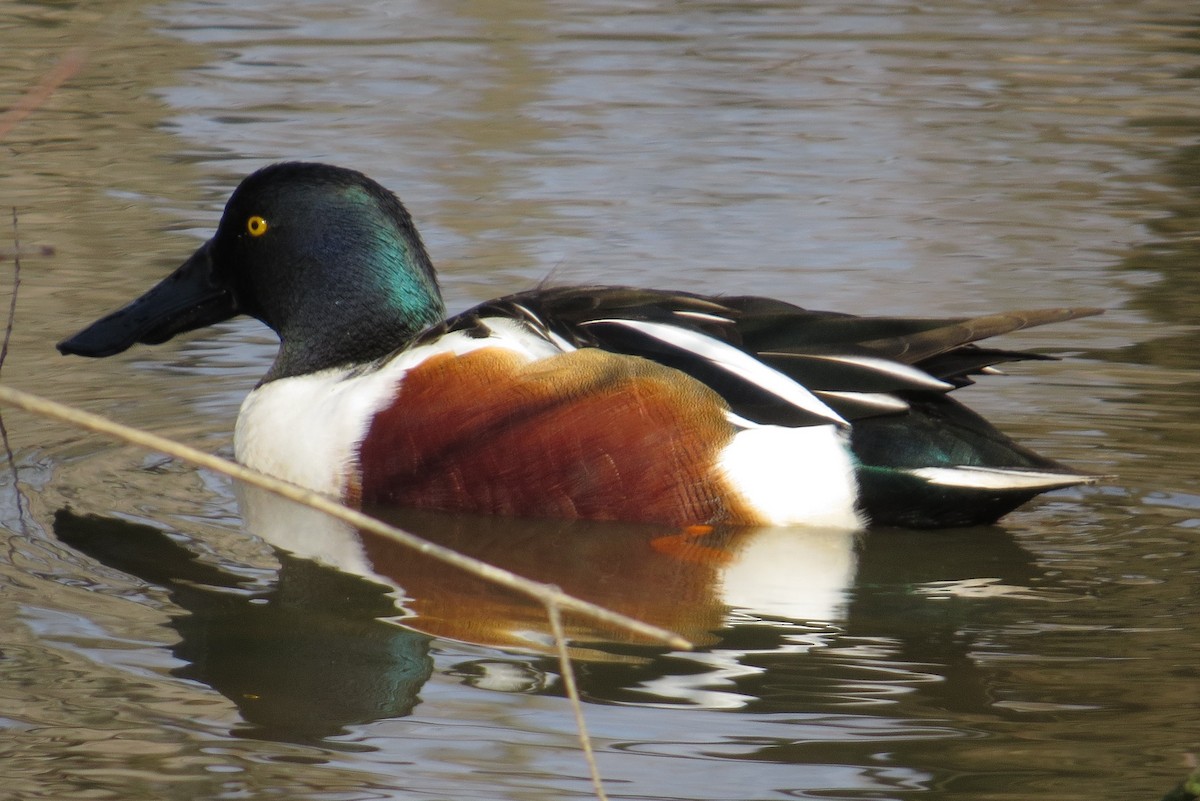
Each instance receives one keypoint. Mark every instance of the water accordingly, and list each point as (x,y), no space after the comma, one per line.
(884,157)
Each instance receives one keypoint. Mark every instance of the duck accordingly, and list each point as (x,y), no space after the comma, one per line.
(580,402)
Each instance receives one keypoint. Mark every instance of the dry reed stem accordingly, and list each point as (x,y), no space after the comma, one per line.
(16,285)
(8,332)
(33,99)
(544,593)
(572,689)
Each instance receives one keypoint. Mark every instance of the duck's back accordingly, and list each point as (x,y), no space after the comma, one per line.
(922,458)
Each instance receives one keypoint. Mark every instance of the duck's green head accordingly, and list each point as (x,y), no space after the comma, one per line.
(323,255)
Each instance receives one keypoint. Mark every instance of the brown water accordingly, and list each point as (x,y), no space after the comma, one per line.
(887,157)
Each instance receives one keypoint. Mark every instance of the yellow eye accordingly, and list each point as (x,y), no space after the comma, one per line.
(256,226)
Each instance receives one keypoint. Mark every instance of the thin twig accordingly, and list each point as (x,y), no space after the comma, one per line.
(67,66)
(12,302)
(8,330)
(544,593)
(568,677)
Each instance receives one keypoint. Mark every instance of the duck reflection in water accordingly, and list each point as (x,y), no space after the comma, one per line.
(343,636)
(682,579)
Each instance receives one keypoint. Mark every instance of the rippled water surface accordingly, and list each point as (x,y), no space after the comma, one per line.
(879,157)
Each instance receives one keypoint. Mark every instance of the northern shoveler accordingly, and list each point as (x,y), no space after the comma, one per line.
(600,402)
